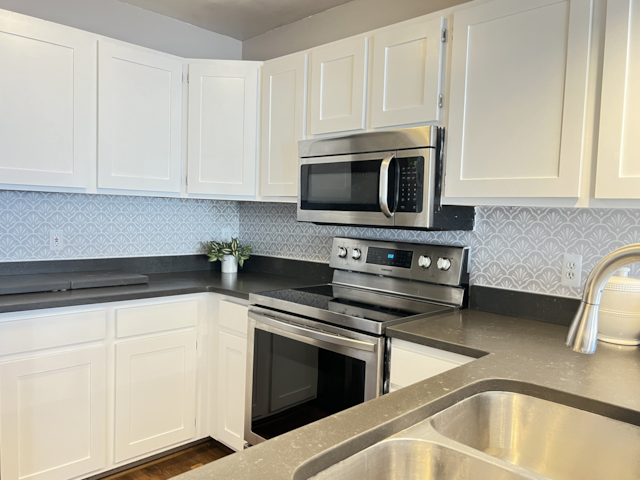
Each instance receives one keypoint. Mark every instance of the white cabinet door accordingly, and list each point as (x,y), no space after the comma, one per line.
(518,98)
(338,86)
(618,174)
(232,374)
(140,119)
(53,415)
(223,109)
(407,74)
(283,124)
(412,363)
(155,393)
(47,103)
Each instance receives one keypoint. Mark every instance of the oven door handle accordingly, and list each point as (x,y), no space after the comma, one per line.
(315,334)
(383,191)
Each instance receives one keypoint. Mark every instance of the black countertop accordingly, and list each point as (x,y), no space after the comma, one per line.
(238,285)
(513,354)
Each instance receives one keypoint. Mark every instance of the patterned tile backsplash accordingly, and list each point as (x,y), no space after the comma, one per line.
(512,247)
(515,248)
(97,226)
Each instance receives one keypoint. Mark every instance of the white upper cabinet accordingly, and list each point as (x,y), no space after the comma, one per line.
(518,98)
(140,119)
(48,103)
(618,174)
(222,129)
(338,86)
(407,74)
(283,124)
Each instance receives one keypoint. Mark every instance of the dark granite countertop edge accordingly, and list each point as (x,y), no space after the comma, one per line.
(435,343)
(160,285)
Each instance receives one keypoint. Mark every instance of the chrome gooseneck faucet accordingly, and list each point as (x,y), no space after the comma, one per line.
(583,333)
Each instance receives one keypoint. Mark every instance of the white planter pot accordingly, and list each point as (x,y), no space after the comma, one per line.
(229,264)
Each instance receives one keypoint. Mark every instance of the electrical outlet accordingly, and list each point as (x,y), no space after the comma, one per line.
(56,239)
(571,270)
(226,234)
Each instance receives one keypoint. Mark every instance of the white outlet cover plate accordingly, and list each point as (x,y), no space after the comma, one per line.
(56,239)
(571,263)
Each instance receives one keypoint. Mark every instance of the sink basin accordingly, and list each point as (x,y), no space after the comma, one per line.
(500,436)
(554,440)
(409,459)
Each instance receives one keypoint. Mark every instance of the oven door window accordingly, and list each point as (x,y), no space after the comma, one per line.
(295,383)
(349,186)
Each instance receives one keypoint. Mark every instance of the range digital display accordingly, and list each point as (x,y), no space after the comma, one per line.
(390,258)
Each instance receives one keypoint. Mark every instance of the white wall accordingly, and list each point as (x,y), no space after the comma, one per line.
(350,19)
(125,22)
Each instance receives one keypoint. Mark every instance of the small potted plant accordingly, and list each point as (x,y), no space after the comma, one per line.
(231,254)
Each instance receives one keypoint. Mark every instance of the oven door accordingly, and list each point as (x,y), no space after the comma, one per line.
(298,373)
(349,189)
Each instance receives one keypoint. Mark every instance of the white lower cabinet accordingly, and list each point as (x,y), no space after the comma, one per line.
(412,363)
(232,362)
(53,415)
(231,374)
(155,393)
(84,390)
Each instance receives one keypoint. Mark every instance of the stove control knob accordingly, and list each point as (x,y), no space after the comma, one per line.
(356,254)
(444,264)
(342,252)
(424,261)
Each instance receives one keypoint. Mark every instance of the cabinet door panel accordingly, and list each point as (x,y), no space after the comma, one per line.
(53,415)
(283,124)
(412,363)
(48,103)
(407,73)
(518,96)
(338,86)
(232,372)
(140,118)
(618,174)
(155,393)
(222,128)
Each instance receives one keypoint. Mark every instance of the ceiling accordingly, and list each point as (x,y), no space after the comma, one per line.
(240,19)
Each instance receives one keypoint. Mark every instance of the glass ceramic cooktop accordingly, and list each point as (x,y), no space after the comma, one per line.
(367,304)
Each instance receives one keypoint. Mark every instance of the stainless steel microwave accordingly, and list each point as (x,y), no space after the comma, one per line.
(387,179)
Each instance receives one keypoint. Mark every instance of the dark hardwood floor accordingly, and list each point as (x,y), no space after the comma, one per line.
(175,464)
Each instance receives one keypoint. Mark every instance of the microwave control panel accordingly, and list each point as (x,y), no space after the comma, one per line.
(411,185)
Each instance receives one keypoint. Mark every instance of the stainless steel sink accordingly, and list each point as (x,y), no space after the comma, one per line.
(501,436)
(404,459)
(554,440)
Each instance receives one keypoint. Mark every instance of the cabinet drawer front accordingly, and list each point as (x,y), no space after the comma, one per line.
(412,363)
(234,317)
(156,318)
(42,332)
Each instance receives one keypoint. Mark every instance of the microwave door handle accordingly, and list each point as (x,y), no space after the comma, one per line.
(384,185)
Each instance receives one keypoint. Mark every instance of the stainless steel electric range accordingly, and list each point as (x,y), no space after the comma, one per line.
(317,350)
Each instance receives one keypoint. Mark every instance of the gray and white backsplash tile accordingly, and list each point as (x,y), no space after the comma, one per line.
(96,226)
(516,248)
